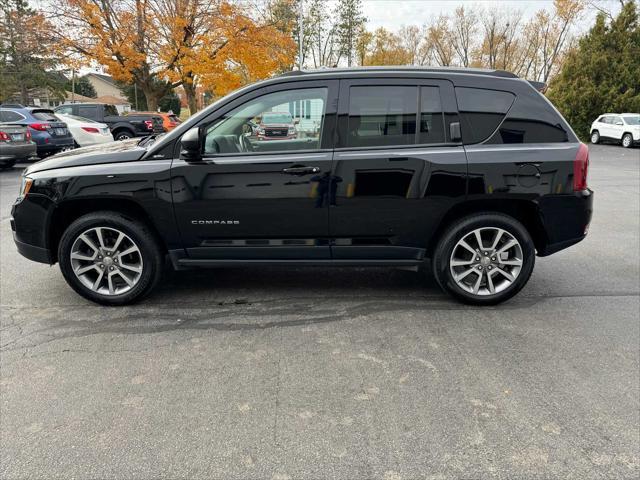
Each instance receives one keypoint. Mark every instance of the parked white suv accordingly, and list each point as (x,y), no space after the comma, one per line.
(619,127)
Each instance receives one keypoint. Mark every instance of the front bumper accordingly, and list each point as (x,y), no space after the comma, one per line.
(30,224)
(565,219)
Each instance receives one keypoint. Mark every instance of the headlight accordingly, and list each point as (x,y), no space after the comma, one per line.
(25,186)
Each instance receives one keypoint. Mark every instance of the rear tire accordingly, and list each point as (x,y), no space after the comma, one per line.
(122,135)
(488,275)
(595,137)
(8,164)
(109,258)
(627,140)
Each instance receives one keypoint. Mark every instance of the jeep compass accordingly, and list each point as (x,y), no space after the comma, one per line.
(470,173)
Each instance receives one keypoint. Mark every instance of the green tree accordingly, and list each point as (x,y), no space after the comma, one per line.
(27,53)
(603,73)
(351,24)
(82,87)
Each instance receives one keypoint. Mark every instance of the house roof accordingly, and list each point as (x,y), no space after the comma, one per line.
(77,97)
(105,78)
(111,100)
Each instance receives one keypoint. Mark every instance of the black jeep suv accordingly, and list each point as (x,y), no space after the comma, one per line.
(473,170)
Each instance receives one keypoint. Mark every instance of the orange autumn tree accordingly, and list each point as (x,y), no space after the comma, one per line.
(218,46)
(162,44)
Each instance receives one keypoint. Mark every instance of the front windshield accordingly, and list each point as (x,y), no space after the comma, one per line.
(276,118)
(632,120)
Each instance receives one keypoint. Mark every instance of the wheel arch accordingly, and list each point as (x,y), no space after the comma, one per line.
(68,211)
(525,211)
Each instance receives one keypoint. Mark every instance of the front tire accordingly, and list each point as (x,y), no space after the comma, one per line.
(484,259)
(627,140)
(123,135)
(595,137)
(109,258)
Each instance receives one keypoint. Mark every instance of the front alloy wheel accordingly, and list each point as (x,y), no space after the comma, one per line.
(486,261)
(110,258)
(595,137)
(627,140)
(106,261)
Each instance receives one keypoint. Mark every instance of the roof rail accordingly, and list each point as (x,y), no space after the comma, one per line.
(11,105)
(403,68)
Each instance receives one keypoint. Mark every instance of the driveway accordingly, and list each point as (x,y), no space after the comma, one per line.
(316,373)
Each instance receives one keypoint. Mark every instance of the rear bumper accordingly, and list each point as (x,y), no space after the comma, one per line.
(10,152)
(566,220)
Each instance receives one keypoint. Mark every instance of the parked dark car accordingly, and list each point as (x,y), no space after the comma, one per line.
(276,126)
(15,144)
(122,127)
(48,132)
(471,172)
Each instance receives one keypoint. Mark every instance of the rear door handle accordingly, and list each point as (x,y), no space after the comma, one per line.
(300,170)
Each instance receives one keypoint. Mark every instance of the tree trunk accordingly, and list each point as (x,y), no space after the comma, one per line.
(192,98)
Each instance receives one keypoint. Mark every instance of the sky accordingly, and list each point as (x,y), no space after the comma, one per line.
(392,14)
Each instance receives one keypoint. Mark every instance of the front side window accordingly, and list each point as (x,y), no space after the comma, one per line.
(270,123)
(632,120)
(381,116)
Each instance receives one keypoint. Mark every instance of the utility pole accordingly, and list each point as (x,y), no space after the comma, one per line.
(73,85)
(300,33)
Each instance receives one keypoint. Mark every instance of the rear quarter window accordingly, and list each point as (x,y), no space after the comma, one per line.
(481,111)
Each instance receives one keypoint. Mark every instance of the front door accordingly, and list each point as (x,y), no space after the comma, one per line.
(396,170)
(258,192)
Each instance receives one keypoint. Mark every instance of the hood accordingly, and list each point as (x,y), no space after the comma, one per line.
(126,151)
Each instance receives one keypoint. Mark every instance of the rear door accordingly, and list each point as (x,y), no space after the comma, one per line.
(396,169)
(255,199)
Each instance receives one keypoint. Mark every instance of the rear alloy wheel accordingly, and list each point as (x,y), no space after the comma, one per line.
(627,140)
(595,137)
(484,259)
(109,258)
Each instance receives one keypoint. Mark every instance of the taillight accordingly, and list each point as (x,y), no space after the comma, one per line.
(581,168)
(149,124)
(91,129)
(4,137)
(43,127)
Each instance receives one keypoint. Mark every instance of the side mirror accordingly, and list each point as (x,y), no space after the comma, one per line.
(454,132)
(619,123)
(190,145)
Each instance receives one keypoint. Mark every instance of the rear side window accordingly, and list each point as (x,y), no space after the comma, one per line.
(482,111)
(9,116)
(431,118)
(382,116)
(88,111)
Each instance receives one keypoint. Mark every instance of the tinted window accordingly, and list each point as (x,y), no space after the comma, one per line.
(431,119)
(46,115)
(240,130)
(67,110)
(381,116)
(87,111)
(110,110)
(616,120)
(481,111)
(9,116)
(632,120)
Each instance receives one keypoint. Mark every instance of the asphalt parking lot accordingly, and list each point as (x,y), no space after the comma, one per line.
(332,373)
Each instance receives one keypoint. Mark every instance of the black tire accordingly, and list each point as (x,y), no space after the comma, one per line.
(8,164)
(139,232)
(461,228)
(627,140)
(595,137)
(123,135)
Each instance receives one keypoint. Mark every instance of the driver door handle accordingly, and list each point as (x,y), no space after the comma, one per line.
(302,170)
